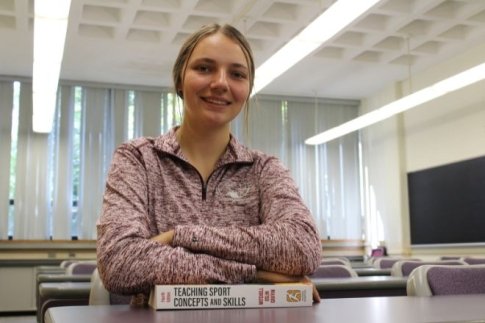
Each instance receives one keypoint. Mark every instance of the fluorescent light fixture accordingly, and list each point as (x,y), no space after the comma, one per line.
(327,25)
(453,83)
(50,26)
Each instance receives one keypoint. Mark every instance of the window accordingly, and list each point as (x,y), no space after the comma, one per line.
(55,183)
(13,156)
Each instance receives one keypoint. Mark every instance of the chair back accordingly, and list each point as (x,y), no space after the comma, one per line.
(434,280)
(66,263)
(334,261)
(334,271)
(100,296)
(81,268)
(451,258)
(380,251)
(474,261)
(388,262)
(403,268)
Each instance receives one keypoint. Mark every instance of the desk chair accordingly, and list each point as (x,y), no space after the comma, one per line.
(57,294)
(380,251)
(100,296)
(81,267)
(334,261)
(387,262)
(334,271)
(66,263)
(68,269)
(433,280)
(451,258)
(403,268)
(474,261)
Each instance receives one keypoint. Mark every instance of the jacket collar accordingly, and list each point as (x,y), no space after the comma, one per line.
(235,151)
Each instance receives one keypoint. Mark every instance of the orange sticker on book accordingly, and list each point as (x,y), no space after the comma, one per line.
(293,295)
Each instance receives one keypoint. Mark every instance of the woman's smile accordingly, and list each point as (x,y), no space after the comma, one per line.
(216,101)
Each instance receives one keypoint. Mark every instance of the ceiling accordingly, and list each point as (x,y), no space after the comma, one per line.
(136,41)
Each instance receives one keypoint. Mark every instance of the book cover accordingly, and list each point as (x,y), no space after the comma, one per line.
(230,296)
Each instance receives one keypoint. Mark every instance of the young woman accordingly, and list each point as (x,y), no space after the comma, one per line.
(195,206)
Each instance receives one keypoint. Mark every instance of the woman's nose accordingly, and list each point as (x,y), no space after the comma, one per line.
(220,80)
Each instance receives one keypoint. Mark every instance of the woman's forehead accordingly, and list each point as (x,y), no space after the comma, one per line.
(219,47)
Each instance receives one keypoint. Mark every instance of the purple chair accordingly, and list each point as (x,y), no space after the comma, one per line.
(81,268)
(383,263)
(388,262)
(66,263)
(433,280)
(74,268)
(334,261)
(334,271)
(379,252)
(451,258)
(474,261)
(403,268)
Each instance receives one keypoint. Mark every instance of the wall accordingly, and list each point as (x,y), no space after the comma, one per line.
(448,129)
(19,262)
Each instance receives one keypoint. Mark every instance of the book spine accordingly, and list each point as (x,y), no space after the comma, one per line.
(230,296)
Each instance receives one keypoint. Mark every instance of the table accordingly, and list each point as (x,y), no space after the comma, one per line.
(402,309)
(360,264)
(373,271)
(365,286)
(64,289)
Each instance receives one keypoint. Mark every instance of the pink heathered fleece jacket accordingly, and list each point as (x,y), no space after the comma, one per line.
(247,216)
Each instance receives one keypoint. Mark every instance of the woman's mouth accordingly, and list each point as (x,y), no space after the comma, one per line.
(216,101)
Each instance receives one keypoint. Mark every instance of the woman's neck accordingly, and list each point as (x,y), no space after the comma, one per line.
(203,148)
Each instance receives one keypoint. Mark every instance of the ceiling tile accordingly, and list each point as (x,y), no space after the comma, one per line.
(163,4)
(368,56)
(391,43)
(150,18)
(101,14)
(430,47)
(373,22)
(194,22)
(215,6)
(151,36)
(351,38)
(96,31)
(279,11)
(456,32)
(447,9)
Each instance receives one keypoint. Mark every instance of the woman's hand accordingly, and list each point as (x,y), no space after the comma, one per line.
(164,237)
(272,277)
(316,295)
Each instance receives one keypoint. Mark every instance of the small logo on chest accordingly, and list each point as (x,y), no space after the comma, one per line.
(238,191)
(233,194)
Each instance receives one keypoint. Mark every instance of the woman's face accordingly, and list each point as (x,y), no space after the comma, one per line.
(215,85)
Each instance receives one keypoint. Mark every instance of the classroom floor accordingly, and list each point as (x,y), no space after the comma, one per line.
(18,319)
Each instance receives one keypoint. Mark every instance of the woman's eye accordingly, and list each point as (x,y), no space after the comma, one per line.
(203,68)
(239,75)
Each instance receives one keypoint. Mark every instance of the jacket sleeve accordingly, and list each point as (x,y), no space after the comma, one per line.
(128,261)
(287,240)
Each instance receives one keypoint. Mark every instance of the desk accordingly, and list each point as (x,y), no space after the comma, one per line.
(403,309)
(360,264)
(373,271)
(65,290)
(366,286)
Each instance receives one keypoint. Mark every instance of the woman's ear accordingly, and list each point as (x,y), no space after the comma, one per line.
(180,93)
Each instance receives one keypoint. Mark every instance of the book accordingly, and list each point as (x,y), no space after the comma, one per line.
(230,296)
